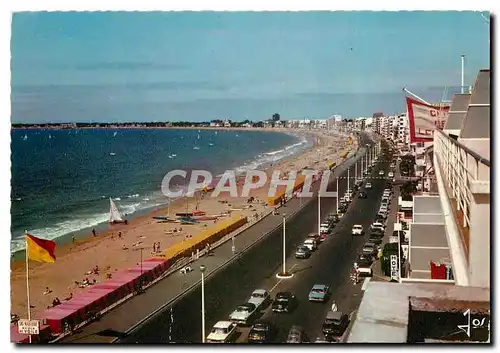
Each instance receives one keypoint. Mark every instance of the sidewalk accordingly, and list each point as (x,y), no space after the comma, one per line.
(155,299)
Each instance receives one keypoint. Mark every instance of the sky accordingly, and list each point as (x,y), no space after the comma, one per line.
(198,66)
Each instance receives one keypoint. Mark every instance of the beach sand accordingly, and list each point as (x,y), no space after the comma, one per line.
(76,260)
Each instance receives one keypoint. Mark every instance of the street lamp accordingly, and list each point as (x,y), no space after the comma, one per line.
(202,270)
(284,274)
(338,194)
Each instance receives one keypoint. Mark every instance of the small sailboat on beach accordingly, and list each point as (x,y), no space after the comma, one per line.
(114,215)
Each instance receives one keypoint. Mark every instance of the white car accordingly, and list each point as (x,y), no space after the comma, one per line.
(378,225)
(347,198)
(383,208)
(381,172)
(368,185)
(310,244)
(243,313)
(259,298)
(222,332)
(390,175)
(357,229)
(324,228)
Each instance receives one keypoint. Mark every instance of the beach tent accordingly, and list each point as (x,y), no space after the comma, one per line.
(165,263)
(57,317)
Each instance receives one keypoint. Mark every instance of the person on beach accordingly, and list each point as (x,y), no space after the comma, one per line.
(47,291)
(73,239)
(120,235)
(154,247)
(158,247)
(93,232)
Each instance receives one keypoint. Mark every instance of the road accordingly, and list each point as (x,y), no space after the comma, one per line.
(231,286)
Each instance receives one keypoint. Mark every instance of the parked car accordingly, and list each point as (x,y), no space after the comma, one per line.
(363,195)
(333,218)
(325,228)
(259,297)
(370,249)
(382,214)
(243,313)
(222,332)
(375,239)
(262,332)
(357,229)
(297,335)
(319,293)
(335,324)
(381,173)
(284,302)
(377,225)
(390,175)
(364,260)
(368,185)
(302,252)
(310,244)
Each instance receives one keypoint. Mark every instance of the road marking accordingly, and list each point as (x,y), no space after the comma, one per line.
(281,280)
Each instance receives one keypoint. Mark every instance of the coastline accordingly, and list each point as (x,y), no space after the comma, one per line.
(105,250)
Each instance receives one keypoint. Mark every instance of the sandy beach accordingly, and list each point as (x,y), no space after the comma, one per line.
(121,246)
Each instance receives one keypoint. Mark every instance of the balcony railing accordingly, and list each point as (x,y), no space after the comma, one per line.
(464,172)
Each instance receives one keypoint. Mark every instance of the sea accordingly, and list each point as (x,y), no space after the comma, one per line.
(62,179)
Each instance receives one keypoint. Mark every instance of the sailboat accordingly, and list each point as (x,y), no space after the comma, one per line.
(114,215)
(25,137)
(114,135)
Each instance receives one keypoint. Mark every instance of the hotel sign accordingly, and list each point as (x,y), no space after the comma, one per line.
(394,267)
(424,119)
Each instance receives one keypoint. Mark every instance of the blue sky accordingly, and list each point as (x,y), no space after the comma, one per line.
(108,66)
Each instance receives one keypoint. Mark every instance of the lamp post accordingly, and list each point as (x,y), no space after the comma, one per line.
(348,177)
(284,274)
(202,270)
(319,213)
(338,195)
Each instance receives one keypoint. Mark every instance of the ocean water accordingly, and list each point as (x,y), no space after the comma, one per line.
(62,180)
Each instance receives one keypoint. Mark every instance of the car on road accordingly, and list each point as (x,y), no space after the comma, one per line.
(382,214)
(262,332)
(284,302)
(381,173)
(222,332)
(375,239)
(310,244)
(364,260)
(319,293)
(347,198)
(357,229)
(335,325)
(302,252)
(243,313)
(377,225)
(368,185)
(363,195)
(377,232)
(297,335)
(390,175)
(325,228)
(333,218)
(259,297)
(370,249)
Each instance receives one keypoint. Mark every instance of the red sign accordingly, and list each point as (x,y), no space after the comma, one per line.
(424,119)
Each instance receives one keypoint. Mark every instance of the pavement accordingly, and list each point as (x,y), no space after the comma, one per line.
(257,268)
(225,272)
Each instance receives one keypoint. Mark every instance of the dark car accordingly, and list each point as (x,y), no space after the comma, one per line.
(262,332)
(335,324)
(297,335)
(364,260)
(375,239)
(302,252)
(284,302)
(370,249)
(333,218)
(362,195)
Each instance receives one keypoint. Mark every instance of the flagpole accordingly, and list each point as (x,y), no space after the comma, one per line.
(27,280)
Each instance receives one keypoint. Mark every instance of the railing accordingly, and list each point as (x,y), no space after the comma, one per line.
(461,169)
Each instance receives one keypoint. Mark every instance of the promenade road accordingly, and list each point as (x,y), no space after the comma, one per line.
(152,304)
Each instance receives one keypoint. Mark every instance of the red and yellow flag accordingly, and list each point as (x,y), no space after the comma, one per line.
(41,250)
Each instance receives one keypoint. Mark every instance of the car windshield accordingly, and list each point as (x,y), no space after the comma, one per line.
(282,300)
(357,227)
(318,290)
(219,330)
(258,295)
(242,309)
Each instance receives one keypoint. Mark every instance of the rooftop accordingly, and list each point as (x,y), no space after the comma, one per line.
(385,314)
(476,124)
